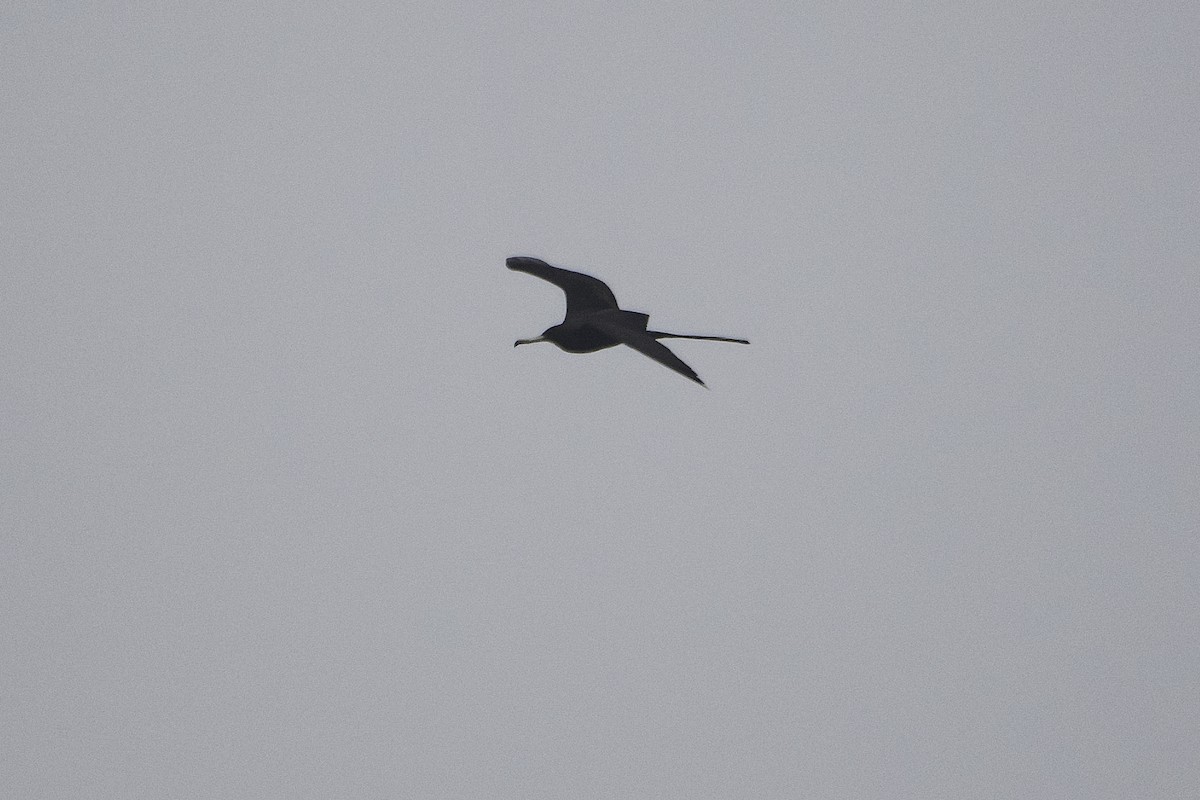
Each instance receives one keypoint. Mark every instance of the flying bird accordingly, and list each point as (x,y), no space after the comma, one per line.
(594,321)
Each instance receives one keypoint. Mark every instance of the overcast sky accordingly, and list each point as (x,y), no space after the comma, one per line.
(285,515)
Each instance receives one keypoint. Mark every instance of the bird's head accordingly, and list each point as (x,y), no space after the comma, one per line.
(542,338)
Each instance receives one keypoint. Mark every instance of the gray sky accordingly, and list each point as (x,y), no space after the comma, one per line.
(285,515)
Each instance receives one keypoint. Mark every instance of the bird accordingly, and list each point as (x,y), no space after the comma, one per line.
(594,321)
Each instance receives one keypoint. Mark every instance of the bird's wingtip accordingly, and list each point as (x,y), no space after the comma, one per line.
(517,262)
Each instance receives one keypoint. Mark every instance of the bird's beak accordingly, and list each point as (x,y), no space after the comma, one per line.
(529,341)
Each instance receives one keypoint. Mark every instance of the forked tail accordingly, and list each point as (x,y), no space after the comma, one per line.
(662,335)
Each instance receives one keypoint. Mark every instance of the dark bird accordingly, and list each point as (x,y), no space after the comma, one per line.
(594,321)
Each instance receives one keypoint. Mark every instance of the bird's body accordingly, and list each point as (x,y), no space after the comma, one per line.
(594,321)
(575,337)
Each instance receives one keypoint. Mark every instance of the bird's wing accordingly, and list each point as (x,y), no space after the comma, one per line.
(645,344)
(585,294)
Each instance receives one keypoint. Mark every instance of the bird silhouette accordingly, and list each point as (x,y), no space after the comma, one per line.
(594,321)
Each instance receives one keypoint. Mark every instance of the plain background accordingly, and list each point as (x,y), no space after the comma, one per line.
(285,515)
